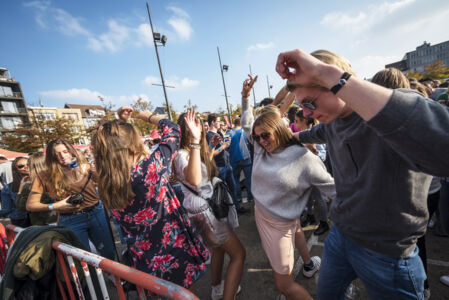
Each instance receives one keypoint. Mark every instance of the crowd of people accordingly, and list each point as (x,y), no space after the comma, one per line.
(363,159)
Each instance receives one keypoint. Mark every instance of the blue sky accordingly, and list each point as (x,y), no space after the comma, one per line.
(72,51)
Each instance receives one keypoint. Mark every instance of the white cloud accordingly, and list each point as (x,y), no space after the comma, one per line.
(49,17)
(118,34)
(174,81)
(113,40)
(369,65)
(86,96)
(179,12)
(72,95)
(361,21)
(260,46)
(182,28)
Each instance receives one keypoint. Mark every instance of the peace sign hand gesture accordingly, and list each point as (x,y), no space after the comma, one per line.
(248,85)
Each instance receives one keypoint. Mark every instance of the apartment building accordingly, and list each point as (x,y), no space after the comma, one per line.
(424,55)
(51,113)
(13,109)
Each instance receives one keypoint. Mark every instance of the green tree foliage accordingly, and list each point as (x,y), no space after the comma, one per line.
(32,137)
(145,128)
(436,70)
(174,117)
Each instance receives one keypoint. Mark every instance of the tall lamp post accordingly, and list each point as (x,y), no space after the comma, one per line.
(162,40)
(254,94)
(224,68)
(269,87)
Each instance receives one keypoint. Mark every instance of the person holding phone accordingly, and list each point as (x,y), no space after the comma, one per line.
(69,177)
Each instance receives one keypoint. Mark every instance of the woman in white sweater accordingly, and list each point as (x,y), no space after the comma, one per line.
(284,174)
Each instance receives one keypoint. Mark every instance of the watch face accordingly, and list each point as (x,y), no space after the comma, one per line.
(342,81)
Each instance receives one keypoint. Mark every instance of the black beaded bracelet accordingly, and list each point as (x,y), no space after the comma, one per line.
(343,79)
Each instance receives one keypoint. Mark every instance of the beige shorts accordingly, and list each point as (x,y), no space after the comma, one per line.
(278,241)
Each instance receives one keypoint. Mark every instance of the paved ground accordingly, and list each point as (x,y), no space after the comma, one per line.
(257,282)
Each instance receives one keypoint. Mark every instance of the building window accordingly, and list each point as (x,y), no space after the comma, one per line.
(45,115)
(6,91)
(71,116)
(10,123)
(9,107)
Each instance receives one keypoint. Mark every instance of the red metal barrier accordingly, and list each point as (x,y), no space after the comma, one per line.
(120,272)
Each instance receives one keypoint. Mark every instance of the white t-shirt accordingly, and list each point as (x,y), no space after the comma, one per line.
(191,201)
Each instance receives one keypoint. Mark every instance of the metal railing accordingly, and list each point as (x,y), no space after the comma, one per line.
(18,110)
(13,95)
(143,281)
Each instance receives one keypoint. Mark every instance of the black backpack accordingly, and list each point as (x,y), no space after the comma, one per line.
(221,199)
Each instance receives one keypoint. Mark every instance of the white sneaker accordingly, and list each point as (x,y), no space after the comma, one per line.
(316,266)
(445,279)
(217,291)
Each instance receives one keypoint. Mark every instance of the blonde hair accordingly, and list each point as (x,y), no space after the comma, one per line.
(267,108)
(422,89)
(114,143)
(185,141)
(272,122)
(56,177)
(391,78)
(332,58)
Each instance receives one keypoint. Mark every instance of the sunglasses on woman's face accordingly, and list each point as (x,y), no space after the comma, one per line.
(21,166)
(264,135)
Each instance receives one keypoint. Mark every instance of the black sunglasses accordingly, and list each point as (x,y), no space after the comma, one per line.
(21,166)
(263,135)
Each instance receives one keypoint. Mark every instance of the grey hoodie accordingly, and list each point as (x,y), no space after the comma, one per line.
(378,170)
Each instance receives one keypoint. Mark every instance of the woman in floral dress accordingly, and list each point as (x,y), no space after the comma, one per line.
(135,186)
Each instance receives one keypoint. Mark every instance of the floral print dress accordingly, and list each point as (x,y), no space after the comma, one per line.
(165,244)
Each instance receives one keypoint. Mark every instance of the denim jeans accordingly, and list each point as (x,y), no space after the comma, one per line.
(226,174)
(246,166)
(384,277)
(91,225)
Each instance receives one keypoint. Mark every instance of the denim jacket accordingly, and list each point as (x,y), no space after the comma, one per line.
(9,208)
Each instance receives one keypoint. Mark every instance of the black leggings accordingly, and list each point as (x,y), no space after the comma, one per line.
(432,205)
(24,223)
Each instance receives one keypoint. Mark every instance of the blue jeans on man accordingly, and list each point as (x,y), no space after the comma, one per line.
(225,173)
(91,225)
(246,166)
(383,276)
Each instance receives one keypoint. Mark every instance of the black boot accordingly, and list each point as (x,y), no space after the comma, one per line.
(322,228)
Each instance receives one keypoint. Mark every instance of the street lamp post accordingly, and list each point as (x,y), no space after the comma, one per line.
(224,68)
(269,87)
(162,40)
(254,94)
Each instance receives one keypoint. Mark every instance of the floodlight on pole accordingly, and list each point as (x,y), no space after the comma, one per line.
(224,68)
(162,40)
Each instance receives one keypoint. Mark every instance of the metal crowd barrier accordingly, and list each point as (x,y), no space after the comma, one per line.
(142,280)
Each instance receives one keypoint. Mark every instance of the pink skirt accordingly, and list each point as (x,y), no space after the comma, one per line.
(278,241)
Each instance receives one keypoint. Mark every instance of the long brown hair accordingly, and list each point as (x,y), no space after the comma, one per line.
(36,164)
(56,177)
(185,141)
(16,176)
(114,144)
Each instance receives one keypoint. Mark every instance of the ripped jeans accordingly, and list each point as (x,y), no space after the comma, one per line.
(91,225)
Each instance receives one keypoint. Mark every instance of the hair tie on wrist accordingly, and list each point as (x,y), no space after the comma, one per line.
(343,79)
